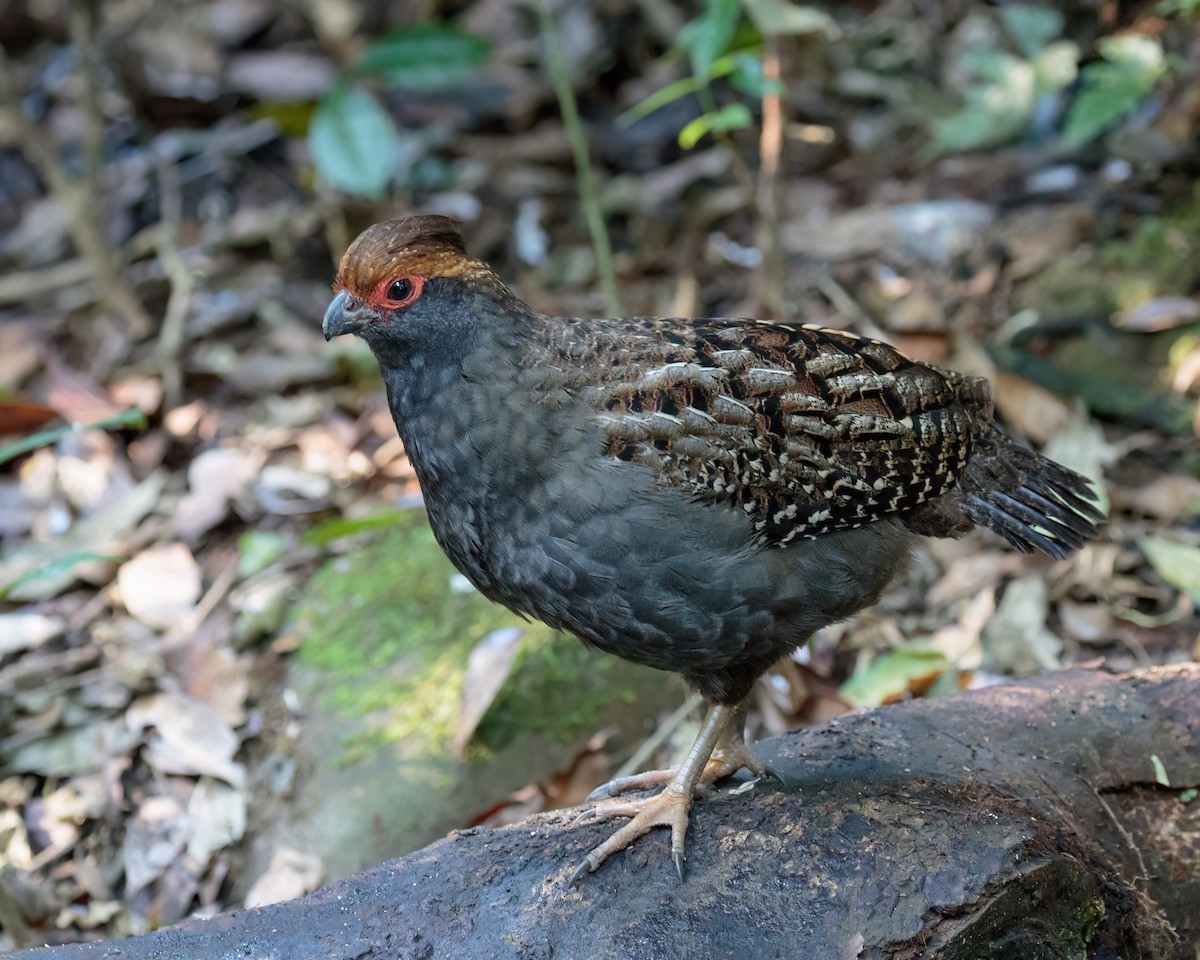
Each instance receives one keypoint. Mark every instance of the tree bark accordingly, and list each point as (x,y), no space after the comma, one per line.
(1021,821)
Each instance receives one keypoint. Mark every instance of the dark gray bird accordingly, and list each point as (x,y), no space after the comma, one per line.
(696,495)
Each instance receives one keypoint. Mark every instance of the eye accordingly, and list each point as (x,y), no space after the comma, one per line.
(399,290)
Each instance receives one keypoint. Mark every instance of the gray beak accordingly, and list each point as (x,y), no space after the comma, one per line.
(345,315)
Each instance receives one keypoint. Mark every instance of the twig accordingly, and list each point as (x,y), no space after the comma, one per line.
(569,108)
(769,279)
(78,197)
(659,737)
(183,281)
(83,32)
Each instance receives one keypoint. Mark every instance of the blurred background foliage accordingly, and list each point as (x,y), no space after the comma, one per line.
(222,634)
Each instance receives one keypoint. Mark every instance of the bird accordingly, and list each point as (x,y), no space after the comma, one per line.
(698,495)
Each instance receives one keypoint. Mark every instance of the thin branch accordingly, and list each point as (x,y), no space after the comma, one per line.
(769,279)
(79,198)
(172,335)
(569,108)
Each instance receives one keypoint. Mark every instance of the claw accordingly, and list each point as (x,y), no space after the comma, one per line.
(677,856)
(586,816)
(745,787)
(588,866)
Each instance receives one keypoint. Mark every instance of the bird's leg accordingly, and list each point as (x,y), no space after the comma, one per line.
(728,757)
(670,807)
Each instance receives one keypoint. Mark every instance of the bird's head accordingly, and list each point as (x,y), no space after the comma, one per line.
(400,272)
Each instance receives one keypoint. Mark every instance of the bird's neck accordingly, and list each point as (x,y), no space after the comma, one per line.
(463,413)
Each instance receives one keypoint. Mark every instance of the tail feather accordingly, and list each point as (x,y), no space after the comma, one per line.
(1032,502)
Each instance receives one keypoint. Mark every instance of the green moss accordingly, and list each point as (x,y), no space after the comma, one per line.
(1162,253)
(1159,256)
(1091,917)
(556,676)
(390,639)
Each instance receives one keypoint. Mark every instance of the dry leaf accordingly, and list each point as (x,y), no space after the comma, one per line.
(218,813)
(154,836)
(1015,639)
(216,478)
(25,630)
(76,396)
(487,669)
(1171,497)
(291,874)
(189,737)
(1035,411)
(1161,313)
(160,586)
(19,417)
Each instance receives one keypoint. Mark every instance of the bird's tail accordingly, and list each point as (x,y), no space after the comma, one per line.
(1032,502)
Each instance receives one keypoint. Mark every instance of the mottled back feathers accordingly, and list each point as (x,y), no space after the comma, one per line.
(804,429)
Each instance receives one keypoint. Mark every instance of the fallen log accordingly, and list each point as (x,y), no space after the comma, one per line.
(1027,820)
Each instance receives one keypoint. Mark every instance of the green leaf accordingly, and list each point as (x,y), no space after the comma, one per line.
(892,674)
(1055,68)
(780,18)
(748,77)
(1031,27)
(1113,88)
(707,37)
(1160,771)
(355,144)
(257,550)
(995,111)
(661,97)
(733,116)
(53,569)
(1186,8)
(330,530)
(126,420)
(428,56)
(1177,563)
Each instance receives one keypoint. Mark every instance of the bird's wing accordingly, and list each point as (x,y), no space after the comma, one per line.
(807,430)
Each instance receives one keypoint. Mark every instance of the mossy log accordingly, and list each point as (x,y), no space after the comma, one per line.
(1028,820)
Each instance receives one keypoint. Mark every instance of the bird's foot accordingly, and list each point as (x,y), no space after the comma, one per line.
(728,758)
(666,809)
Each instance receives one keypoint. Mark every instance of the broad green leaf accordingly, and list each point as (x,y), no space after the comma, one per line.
(1177,563)
(429,56)
(733,116)
(1113,88)
(331,530)
(779,18)
(707,37)
(257,550)
(891,675)
(994,112)
(1031,27)
(355,144)
(126,420)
